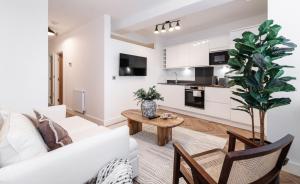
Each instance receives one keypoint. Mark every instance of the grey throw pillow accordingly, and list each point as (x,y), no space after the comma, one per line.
(53,134)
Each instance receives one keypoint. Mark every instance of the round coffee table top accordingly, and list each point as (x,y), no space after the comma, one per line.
(136,115)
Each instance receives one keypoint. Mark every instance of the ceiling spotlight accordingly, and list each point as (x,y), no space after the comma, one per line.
(170,27)
(156,30)
(51,32)
(163,29)
(177,27)
(167,26)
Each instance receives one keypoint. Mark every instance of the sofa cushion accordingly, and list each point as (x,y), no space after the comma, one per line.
(53,134)
(79,128)
(19,139)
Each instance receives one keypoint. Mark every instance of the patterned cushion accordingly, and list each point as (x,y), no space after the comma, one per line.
(212,163)
(53,134)
(118,171)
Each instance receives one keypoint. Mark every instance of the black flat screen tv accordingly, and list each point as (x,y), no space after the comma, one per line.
(132,65)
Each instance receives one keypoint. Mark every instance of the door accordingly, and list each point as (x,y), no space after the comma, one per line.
(50,81)
(60,78)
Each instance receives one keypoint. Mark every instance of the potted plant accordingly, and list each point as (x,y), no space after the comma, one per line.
(146,98)
(257,75)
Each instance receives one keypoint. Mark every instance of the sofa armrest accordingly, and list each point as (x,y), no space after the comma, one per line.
(56,112)
(74,163)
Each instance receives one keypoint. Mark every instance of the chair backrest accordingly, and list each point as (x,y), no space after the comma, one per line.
(256,165)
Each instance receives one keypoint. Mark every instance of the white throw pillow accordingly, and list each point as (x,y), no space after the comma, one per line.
(19,139)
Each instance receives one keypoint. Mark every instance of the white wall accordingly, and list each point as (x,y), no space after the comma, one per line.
(24,58)
(84,49)
(284,120)
(119,92)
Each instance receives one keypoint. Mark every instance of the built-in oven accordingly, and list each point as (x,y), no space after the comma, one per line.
(218,57)
(194,96)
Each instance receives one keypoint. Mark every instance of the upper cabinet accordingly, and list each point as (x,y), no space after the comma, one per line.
(198,54)
(187,55)
(219,43)
(238,33)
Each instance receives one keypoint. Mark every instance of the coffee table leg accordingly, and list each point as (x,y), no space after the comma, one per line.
(134,127)
(164,135)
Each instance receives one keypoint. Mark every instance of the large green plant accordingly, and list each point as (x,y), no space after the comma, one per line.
(256,73)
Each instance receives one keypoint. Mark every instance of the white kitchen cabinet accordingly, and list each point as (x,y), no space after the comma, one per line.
(240,116)
(173,95)
(218,110)
(177,56)
(219,43)
(217,102)
(238,33)
(218,95)
(198,54)
(187,55)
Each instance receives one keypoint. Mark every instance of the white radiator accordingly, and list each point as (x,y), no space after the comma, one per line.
(79,101)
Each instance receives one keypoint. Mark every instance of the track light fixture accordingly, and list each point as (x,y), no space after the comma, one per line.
(51,32)
(170,27)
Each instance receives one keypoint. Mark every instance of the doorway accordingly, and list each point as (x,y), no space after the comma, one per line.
(51,81)
(60,78)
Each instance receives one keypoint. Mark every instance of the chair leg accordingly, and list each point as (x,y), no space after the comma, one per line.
(176,169)
(276,180)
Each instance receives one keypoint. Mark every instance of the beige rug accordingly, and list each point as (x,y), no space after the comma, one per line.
(156,162)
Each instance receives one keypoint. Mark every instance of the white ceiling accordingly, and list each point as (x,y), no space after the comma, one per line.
(138,17)
(65,15)
(229,12)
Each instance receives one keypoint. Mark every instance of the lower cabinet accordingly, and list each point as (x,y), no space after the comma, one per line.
(217,103)
(173,96)
(242,117)
(217,110)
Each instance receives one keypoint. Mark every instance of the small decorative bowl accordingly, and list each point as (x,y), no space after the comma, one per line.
(167,116)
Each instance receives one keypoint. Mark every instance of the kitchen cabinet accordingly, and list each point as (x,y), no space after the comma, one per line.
(173,96)
(240,116)
(177,56)
(219,95)
(187,55)
(198,54)
(217,104)
(218,110)
(219,43)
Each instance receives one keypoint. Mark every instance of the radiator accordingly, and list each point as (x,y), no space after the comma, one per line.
(79,101)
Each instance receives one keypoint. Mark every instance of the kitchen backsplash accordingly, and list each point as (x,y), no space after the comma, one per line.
(189,73)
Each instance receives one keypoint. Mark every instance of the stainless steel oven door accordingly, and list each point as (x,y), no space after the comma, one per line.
(194,98)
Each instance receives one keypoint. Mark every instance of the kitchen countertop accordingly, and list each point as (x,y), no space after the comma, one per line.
(192,84)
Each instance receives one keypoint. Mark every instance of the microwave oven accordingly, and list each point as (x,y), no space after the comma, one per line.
(218,57)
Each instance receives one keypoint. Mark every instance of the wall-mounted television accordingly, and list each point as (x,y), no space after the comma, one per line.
(132,65)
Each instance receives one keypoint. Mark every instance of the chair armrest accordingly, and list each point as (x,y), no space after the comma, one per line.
(195,167)
(75,163)
(234,136)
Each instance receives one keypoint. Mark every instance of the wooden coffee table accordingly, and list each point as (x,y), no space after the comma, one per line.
(164,127)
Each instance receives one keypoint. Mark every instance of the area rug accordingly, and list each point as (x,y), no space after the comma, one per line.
(156,162)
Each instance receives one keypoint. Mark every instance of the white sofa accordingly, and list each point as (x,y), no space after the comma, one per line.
(93,146)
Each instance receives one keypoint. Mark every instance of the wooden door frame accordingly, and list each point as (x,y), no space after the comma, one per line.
(51,81)
(60,77)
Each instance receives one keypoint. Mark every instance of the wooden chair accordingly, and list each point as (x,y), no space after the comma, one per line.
(259,164)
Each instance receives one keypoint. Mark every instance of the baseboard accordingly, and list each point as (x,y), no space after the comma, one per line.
(89,117)
(209,118)
(114,120)
(292,167)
